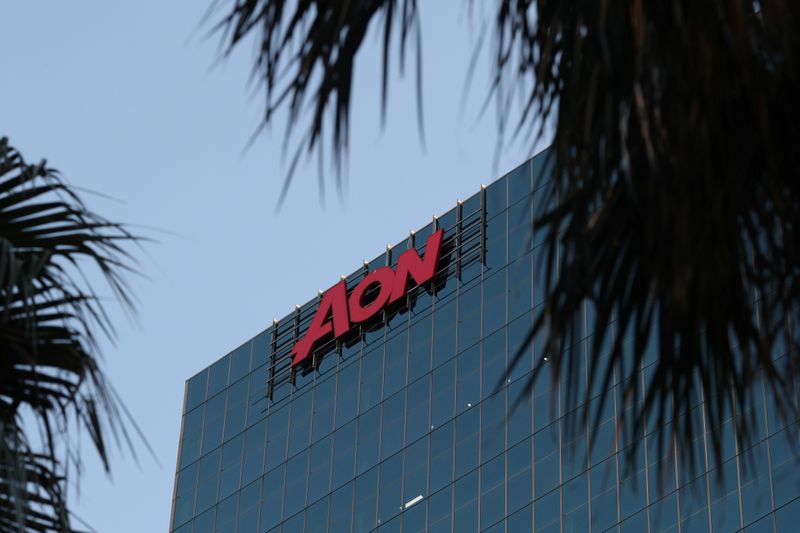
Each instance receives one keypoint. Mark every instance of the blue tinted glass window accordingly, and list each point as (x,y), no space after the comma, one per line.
(755,484)
(467,441)
(236,408)
(444,338)
(344,454)
(469,317)
(419,355)
(300,422)
(440,511)
(212,425)
(347,394)
(296,475)
(257,401)
(576,505)
(192,433)
(249,500)
(392,432)
(520,475)
(208,476)
(604,495)
(788,516)
(465,516)
(493,365)
(414,518)
(371,372)
(218,376)
(369,425)
(184,494)
(341,510)
(494,302)
(186,528)
(261,348)
(784,457)
(320,469)
(240,362)
(495,257)
(493,420)
(520,214)
(317,517)
(441,466)
(520,349)
(443,393)
(693,505)
(521,520)
(519,182)
(196,390)
(546,512)
(272,498)
(394,375)
(415,470)
(231,467)
(447,222)
(520,242)
(520,286)
(496,196)
(471,205)
(547,467)
(390,488)
(254,447)
(468,386)
(277,431)
(294,524)
(226,515)
(366,500)
(493,491)
(204,523)
(520,413)
(417,420)
(324,402)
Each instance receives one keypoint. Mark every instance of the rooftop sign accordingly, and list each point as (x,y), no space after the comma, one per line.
(337,313)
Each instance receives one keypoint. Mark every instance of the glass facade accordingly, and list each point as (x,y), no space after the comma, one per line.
(413,423)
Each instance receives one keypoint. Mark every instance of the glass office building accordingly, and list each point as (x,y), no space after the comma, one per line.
(411,422)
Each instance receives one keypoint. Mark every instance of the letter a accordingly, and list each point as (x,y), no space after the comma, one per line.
(334,302)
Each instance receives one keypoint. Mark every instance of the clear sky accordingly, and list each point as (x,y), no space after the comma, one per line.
(129,99)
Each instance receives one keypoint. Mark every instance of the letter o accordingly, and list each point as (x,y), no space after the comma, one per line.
(384,278)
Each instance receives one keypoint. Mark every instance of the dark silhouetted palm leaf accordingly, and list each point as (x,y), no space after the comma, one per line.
(673,221)
(49,374)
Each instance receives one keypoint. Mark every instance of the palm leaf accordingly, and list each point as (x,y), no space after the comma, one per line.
(673,219)
(49,316)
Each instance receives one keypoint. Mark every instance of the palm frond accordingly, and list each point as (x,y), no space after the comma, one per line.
(673,219)
(49,316)
(674,214)
(306,56)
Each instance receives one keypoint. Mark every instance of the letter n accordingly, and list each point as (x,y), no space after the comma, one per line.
(410,264)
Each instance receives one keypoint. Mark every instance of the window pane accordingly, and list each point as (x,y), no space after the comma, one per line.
(240,362)
(276,437)
(344,454)
(218,376)
(196,390)
(347,394)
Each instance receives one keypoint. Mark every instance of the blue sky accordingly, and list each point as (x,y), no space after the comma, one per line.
(130,100)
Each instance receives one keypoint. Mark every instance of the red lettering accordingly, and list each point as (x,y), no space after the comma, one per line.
(382,277)
(410,264)
(334,302)
(391,288)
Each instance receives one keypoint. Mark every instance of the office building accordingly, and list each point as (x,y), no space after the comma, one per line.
(392,410)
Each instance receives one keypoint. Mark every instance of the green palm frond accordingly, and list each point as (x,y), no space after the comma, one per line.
(49,316)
